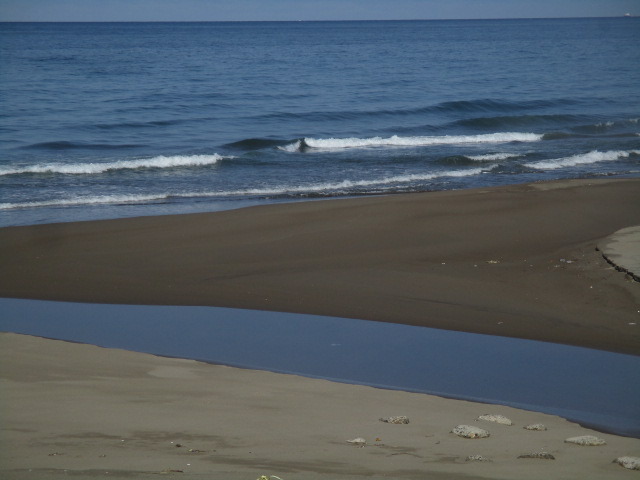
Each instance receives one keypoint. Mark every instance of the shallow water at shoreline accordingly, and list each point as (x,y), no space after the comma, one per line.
(594,388)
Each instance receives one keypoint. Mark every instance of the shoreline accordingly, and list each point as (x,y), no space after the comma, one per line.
(78,409)
(517,261)
(377,354)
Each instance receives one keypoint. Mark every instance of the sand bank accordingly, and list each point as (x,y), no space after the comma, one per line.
(82,411)
(517,261)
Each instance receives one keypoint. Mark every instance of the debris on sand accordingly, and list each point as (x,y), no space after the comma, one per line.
(467,431)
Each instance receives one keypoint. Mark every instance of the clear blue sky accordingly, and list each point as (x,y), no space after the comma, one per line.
(220,10)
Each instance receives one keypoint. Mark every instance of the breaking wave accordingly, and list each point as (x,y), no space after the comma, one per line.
(95,200)
(344,186)
(396,141)
(96,168)
(593,156)
(492,157)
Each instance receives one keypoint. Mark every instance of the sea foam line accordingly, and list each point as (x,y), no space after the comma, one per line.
(276,190)
(396,141)
(492,157)
(345,184)
(593,156)
(77,201)
(96,168)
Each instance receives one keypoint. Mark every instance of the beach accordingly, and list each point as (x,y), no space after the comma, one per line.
(80,411)
(518,261)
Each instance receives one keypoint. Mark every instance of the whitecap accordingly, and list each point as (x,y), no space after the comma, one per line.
(491,157)
(291,147)
(96,168)
(92,200)
(397,141)
(593,156)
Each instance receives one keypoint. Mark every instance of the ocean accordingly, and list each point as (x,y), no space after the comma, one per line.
(111,120)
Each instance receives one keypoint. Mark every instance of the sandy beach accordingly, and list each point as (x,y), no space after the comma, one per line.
(88,412)
(518,261)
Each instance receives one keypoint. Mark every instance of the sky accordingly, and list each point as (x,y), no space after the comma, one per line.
(269,10)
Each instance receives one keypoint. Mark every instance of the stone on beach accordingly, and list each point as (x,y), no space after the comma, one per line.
(477,458)
(535,426)
(541,455)
(586,440)
(399,420)
(632,463)
(467,431)
(501,419)
(359,441)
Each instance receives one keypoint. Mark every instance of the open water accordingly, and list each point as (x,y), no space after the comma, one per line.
(107,120)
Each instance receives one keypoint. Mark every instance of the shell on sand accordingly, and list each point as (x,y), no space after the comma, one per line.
(542,455)
(477,458)
(535,426)
(357,441)
(501,419)
(397,420)
(586,440)
(632,463)
(467,431)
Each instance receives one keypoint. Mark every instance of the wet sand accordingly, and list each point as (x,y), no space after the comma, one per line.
(517,261)
(80,411)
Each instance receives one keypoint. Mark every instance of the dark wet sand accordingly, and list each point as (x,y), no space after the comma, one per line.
(518,261)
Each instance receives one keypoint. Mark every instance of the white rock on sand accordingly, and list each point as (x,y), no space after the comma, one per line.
(586,440)
(535,426)
(399,420)
(359,441)
(467,431)
(632,463)
(541,455)
(501,419)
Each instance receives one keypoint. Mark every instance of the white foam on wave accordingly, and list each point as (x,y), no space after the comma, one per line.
(348,184)
(396,141)
(492,157)
(275,190)
(93,200)
(593,156)
(292,147)
(96,168)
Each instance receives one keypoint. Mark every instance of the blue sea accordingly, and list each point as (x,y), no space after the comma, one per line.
(109,120)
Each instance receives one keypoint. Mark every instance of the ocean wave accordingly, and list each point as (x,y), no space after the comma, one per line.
(90,200)
(249,144)
(149,124)
(453,107)
(344,186)
(491,157)
(66,145)
(518,121)
(396,141)
(593,156)
(97,168)
(341,186)
(475,159)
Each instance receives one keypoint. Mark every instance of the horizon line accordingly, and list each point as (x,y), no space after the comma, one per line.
(320,20)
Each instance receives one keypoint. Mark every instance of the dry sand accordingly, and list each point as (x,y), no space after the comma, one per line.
(517,261)
(84,412)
